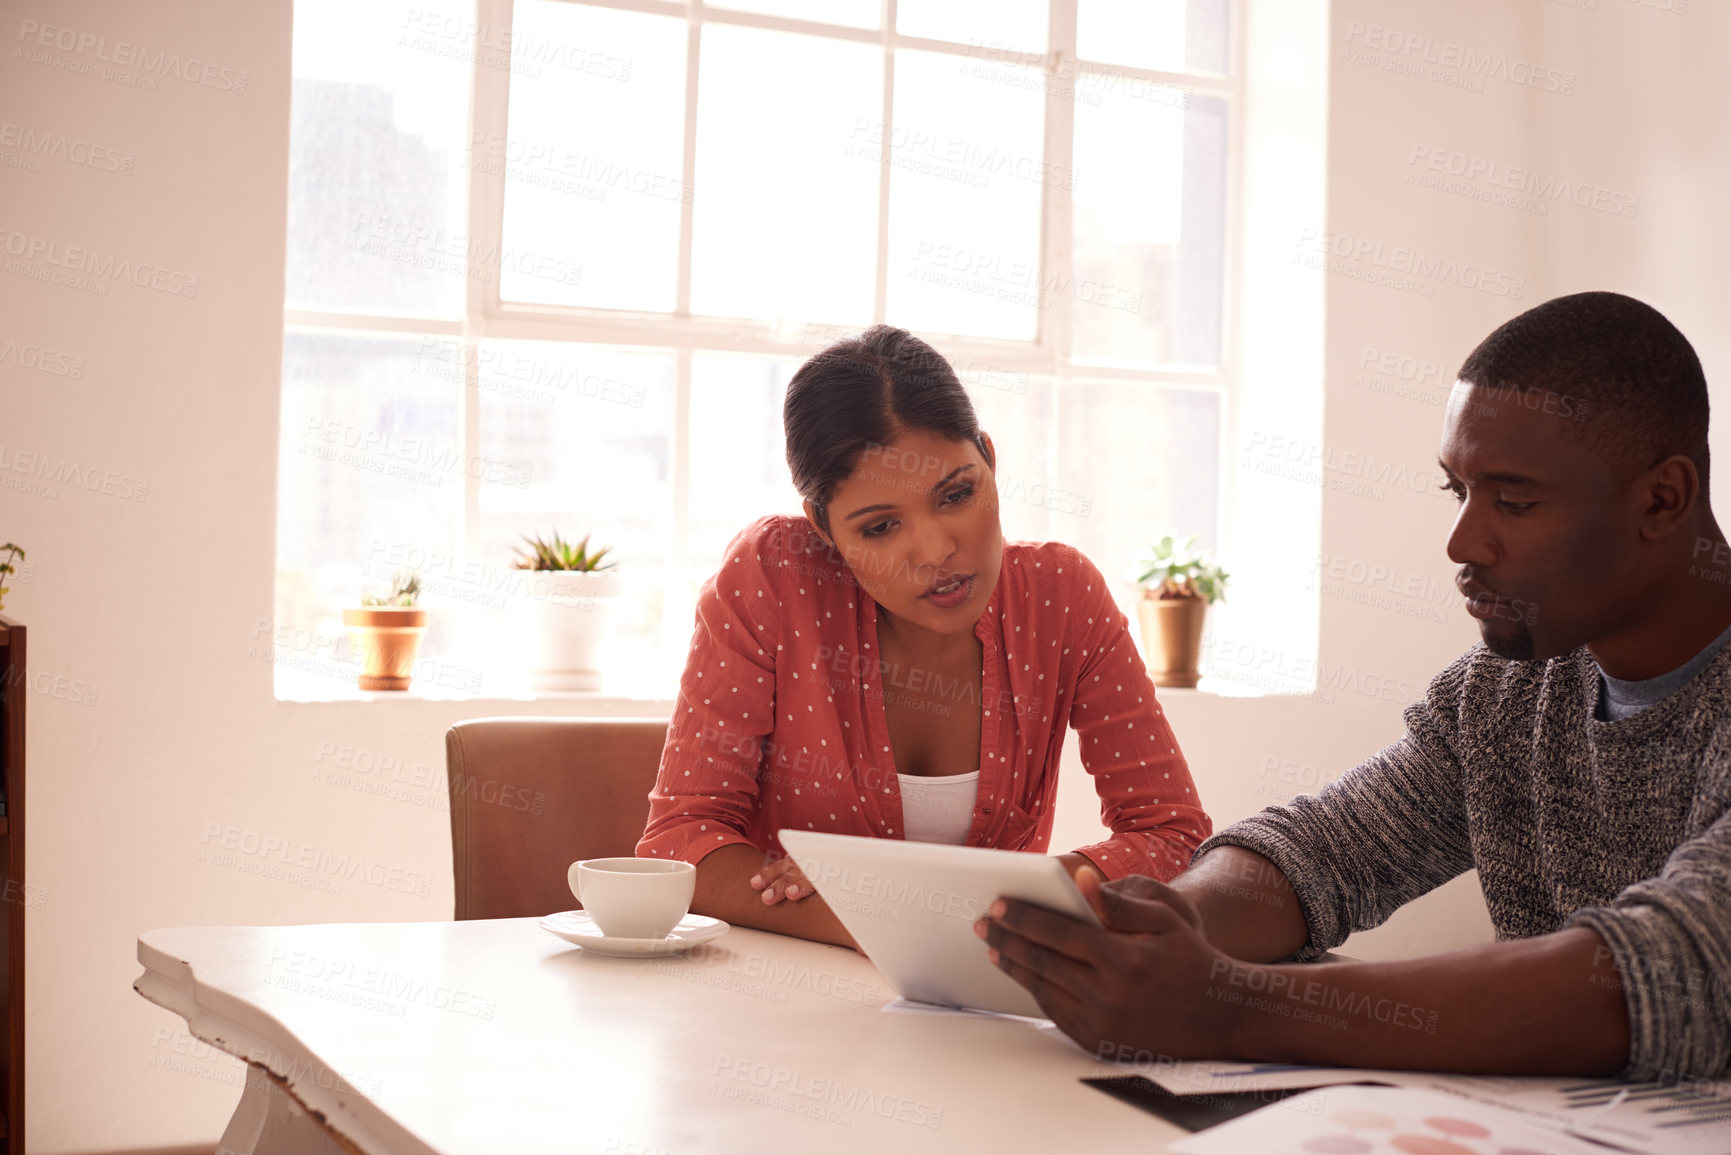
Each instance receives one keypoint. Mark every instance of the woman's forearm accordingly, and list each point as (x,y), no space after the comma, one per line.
(724,891)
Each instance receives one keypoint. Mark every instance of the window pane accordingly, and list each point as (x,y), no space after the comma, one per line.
(592,158)
(1016,412)
(965,182)
(371,481)
(590,431)
(738,456)
(1146,461)
(1168,35)
(854,13)
(785,219)
(1149,231)
(377,195)
(1010,25)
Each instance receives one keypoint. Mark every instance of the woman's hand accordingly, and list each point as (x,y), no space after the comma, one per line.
(782,879)
(733,884)
(1074,861)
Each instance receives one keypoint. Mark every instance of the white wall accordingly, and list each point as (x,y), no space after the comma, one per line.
(155,600)
(1646,117)
(1640,113)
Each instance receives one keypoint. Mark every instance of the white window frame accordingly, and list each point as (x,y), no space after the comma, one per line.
(486,317)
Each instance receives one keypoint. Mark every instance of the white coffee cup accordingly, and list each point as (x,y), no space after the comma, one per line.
(634,897)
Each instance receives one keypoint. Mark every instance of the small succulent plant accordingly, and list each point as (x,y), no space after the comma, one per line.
(1173,569)
(405,588)
(558,554)
(12,552)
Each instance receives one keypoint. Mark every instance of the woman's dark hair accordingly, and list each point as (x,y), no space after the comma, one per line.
(861,392)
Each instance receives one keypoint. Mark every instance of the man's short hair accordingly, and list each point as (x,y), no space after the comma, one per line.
(1629,374)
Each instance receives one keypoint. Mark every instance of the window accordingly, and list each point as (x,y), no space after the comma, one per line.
(551,264)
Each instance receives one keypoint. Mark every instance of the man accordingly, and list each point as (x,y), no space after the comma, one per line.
(1580,759)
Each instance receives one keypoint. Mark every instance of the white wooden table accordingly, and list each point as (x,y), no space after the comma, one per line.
(494,1036)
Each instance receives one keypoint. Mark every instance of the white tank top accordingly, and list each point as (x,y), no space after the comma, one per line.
(939,809)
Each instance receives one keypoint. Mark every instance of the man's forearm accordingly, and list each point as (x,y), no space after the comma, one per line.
(724,891)
(1552,1004)
(1248,909)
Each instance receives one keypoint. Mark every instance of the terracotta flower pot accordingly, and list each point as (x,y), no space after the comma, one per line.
(1172,637)
(386,639)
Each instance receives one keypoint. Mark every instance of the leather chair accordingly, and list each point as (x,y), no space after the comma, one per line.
(530,796)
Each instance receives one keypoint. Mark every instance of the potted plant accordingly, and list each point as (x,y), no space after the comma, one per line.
(571,602)
(387,630)
(1178,585)
(12,552)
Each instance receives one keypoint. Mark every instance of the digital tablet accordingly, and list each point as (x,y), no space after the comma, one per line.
(911,906)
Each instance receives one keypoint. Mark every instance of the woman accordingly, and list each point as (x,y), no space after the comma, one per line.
(888,666)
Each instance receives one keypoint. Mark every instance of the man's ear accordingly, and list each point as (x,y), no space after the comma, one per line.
(988,450)
(1669,493)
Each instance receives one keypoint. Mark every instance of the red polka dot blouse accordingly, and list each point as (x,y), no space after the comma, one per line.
(780,722)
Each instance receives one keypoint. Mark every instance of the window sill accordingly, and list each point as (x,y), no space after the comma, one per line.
(1215,688)
(611,701)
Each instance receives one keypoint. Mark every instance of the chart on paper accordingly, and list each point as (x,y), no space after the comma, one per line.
(1658,1118)
(1668,1118)
(1382,1121)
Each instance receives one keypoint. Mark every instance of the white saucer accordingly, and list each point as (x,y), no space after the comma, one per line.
(575,926)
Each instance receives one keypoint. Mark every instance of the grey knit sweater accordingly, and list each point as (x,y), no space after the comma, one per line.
(1619,826)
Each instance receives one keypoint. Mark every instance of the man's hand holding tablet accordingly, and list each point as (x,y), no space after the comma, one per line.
(1142,976)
